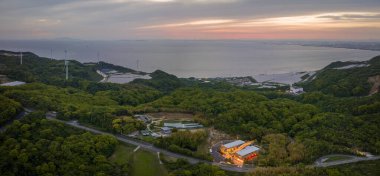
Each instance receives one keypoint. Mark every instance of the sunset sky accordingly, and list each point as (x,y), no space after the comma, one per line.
(190,19)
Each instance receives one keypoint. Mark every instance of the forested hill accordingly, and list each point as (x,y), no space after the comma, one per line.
(344,79)
(293,131)
(161,80)
(50,71)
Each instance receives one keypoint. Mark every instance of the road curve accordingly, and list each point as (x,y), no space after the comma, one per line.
(152,148)
(353,159)
(147,146)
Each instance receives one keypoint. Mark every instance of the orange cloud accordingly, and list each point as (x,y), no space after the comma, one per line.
(279,27)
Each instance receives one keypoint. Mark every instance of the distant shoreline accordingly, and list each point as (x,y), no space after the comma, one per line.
(199,59)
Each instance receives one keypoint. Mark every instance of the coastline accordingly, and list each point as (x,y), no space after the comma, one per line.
(285,78)
(105,76)
(119,77)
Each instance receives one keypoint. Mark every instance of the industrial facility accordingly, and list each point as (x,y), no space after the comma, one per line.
(239,152)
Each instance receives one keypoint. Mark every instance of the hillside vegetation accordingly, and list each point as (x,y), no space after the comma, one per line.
(35,68)
(345,82)
(292,131)
(36,146)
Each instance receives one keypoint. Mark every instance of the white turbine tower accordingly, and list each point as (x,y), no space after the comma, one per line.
(66,65)
(21,58)
(97,55)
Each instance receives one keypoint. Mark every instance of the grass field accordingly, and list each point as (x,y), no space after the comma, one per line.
(143,163)
(122,154)
(146,164)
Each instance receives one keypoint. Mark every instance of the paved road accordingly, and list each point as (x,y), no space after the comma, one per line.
(150,147)
(321,161)
(147,146)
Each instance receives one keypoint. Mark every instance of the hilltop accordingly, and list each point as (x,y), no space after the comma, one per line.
(344,79)
(51,71)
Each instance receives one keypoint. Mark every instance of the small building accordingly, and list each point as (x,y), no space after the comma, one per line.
(145,132)
(247,154)
(239,151)
(296,90)
(227,148)
(183,125)
(144,118)
(14,83)
(156,135)
(166,130)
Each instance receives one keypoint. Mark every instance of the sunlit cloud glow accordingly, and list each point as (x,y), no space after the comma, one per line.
(189,19)
(278,26)
(191,23)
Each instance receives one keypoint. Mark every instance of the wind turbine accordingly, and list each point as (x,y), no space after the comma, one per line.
(97,55)
(21,58)
(66,65)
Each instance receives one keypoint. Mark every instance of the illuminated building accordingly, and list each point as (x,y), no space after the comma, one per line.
(239,151)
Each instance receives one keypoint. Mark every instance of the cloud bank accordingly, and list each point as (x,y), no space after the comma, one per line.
(190,19)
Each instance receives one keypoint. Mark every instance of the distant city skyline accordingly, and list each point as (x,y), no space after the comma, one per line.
(191,19)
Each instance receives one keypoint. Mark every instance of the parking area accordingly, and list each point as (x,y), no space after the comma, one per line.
(215,151)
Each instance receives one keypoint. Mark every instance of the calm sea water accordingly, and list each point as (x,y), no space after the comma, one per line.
(196,58)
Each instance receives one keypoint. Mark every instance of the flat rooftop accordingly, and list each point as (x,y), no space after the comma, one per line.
(183,125)
(247,150)
(165,128)
(233,144)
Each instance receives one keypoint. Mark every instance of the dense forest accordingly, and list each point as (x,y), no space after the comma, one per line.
(36,146)
(8,109)
(253,116)
(335,115)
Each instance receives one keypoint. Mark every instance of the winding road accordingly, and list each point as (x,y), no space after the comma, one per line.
(321,162)
(152,148)
(318,163)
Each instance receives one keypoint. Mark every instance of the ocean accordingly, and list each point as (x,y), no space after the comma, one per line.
(191,58)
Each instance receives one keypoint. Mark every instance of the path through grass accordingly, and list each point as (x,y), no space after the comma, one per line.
(142,163)
(146,164)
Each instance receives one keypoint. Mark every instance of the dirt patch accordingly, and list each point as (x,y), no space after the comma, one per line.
(216,136)
(375,81)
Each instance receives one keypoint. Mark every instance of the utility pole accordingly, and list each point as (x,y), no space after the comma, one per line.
(51,53)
